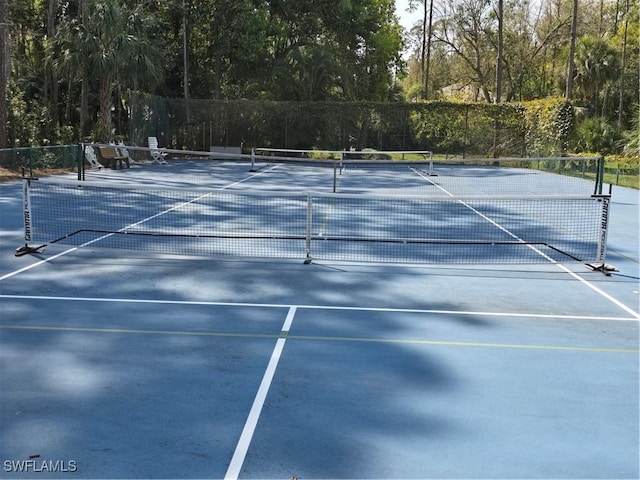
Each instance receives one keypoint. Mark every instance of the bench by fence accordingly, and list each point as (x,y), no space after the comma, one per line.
(112,158)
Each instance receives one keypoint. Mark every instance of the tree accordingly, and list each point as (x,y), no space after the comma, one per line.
(69,54)
(624,62)
(355,42)
(596,66)
(5,70)
(113,45)
(499,60)
(427,72)
(426,34)
(466,29)
(50,82)
(74,53)
(185,57)
(31,120)
(572,46)
(310,74)
(528,40)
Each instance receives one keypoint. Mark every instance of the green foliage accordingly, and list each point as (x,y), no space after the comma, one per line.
(287,50)
(623,170)
(79,59)
(596,134)
(40,158)
(444,127)
(548,125)
(624,163)
(114,45)
(28,124)
(597,67)
(438,126)
(630,142)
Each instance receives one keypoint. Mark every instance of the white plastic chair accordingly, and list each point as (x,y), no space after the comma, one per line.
(91,157)
(156,154)
(122,149)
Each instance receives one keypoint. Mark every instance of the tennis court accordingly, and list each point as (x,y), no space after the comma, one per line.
(324,335)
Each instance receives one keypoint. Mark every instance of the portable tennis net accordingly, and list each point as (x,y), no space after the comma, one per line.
(442,229)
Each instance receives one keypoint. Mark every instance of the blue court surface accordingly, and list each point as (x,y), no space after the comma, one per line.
(130,364)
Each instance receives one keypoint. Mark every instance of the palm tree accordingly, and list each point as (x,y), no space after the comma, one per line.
(114,46)
(70,51)
(596,65)
(309,73)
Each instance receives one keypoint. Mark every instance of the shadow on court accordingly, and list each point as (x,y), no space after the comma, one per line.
(147,366)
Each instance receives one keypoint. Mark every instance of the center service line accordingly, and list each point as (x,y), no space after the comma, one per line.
(254,414)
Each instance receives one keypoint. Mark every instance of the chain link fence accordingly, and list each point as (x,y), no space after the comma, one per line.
(444,128)
(31,160)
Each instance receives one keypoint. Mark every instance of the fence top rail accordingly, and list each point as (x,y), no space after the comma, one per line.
(517,159)
(365,151)
(247,156)
(135,148)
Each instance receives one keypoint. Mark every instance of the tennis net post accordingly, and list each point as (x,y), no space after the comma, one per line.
(599,176)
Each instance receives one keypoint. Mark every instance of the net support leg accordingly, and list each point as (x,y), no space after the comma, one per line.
(26,250)
(603,268)
(335,178)
(28,219)
(307,257)
(253,160)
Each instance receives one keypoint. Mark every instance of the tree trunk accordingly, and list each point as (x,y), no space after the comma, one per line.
(50,81)
(84,89)
(185,59)
(423,56)
(500,47)
(218,76)
(572,49)
(5,71)
(624,62)
(106,94)
(427,74)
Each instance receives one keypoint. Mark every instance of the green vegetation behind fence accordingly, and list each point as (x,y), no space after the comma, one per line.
(31,159)
(468,129)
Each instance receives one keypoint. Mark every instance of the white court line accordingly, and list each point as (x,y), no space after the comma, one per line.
(600,292)
(605,295)
(86,244)
(240,453)
(318,307)
(40,262)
